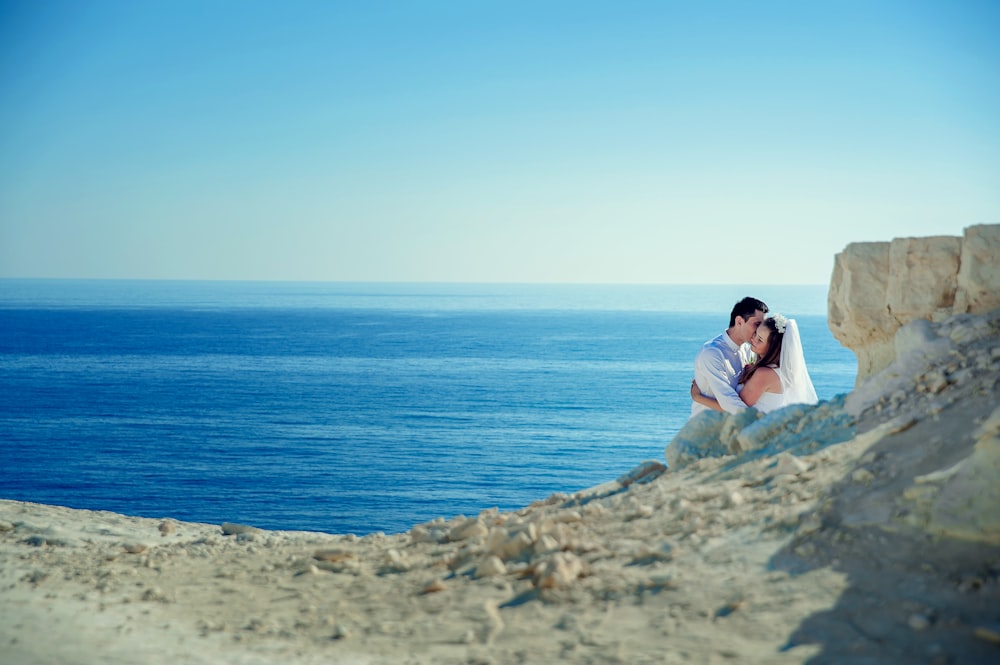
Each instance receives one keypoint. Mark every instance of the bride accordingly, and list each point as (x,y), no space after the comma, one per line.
(779,377)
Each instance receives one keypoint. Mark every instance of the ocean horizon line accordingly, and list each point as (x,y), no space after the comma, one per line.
(59,293)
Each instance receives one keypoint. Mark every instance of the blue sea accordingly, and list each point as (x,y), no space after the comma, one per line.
(352,408)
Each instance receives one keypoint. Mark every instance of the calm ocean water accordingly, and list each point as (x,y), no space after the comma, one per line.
(350,408)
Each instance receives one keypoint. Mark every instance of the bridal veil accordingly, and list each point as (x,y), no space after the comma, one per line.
(796,385)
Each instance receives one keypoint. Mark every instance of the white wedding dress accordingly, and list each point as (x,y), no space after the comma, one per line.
(770,402)
(796,385)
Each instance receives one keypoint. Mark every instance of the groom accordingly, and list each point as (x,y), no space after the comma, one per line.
(720,361)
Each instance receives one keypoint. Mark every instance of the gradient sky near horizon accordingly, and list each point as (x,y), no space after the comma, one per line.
(544,141)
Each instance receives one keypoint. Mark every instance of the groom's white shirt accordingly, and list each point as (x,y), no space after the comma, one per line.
(717,369)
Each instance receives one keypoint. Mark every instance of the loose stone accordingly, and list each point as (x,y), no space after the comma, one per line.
(862,476)
(333,555)
(469,529)
(231,529)
(516,545)
(790,464)
(434,586)
(492,566)
(643,511)
(559,571)
(546,544)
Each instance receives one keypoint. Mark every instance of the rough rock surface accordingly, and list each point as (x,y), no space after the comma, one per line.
(799,428)
(879,287)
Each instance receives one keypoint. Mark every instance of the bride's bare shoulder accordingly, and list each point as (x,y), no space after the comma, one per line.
(766,380)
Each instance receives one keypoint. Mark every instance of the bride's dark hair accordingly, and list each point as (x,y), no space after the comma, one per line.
(773,354)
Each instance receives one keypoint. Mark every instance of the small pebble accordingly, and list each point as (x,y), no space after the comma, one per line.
(333,555)
(643,511)
(308,570)
(491,567)
(470,529)
(568,516)
(862,476)
(559,571)
(790,464)
(546,544)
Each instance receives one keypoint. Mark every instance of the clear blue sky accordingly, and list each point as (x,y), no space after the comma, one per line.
(508,141)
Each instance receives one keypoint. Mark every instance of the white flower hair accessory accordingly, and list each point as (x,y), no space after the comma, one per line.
(780,321)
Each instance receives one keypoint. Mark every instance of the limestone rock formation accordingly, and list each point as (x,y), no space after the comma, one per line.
(799,428)
(879,287)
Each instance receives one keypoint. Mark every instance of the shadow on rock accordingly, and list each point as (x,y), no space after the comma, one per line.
(906,528)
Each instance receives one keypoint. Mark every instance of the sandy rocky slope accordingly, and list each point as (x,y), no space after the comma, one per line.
(861,530)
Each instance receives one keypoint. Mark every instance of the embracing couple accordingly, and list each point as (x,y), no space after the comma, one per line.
(757,362)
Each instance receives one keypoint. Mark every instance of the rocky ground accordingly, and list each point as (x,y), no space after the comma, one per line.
(861,531)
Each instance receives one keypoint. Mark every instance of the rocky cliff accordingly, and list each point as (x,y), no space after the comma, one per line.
(878,287)
(913,519)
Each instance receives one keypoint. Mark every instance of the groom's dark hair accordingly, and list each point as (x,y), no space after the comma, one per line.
(745,309)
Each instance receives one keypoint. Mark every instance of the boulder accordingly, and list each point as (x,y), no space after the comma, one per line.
(708,434)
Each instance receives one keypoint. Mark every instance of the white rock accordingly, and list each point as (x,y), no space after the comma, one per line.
(516,545)
(333,555)
(231,529)
(790,464)
(546,544)
(561,570)
(496,539)
(469,529)
(642,511)
(434,586)
(491,567)
(862,476)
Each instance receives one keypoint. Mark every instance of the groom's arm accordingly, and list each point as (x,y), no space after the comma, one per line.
(712,374)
